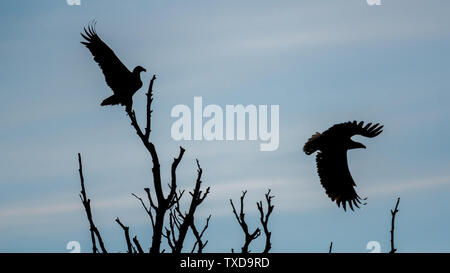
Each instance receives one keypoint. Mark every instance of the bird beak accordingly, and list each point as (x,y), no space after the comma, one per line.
(357,145)
(143,69)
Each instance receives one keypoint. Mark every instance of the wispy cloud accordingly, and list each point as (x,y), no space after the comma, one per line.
(290,195)
(380,188)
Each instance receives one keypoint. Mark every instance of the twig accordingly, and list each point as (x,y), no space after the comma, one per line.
(173,185)
(331,247)
(149,110)
(249,237)
(265,219)
(127,235)
(170,233)
(393,213)
(95,233)
(149,209)
(198,236)
(138,245)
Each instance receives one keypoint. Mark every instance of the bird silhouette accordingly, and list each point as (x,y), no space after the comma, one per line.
(332,146)
(122,82)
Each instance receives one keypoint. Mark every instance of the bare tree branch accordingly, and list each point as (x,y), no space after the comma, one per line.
(149,209)
(138,245)
(393,213)
(265,219)
(180,222)
(163,203)
(149,110)
(198,236)
(95,233)
(127,235)
(331,247)
(249,237)
(169,235)
(173,186)
(150,199)
(149,145)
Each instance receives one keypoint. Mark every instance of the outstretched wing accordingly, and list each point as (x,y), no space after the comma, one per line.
(114,70)
(349,129)
(336,179)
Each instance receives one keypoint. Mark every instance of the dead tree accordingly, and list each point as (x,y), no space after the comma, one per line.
(163,203)
(95,233)
(156,210)
(393,214)
(180,222)
(264,219)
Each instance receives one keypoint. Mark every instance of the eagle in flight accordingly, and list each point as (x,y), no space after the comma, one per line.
(331,159)
(122,82)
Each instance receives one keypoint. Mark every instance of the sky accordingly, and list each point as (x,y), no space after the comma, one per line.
(322,62)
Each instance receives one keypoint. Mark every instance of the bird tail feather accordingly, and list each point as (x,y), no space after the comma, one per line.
(312,144)
(113,100)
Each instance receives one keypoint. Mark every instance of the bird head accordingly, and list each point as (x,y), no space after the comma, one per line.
(355,145)
(138,69)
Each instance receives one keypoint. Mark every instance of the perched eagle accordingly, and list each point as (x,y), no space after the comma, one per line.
(331,159)
(122,82)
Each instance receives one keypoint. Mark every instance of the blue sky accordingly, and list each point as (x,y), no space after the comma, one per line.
(323,62)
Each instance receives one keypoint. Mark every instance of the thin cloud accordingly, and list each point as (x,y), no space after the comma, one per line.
(381,188)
